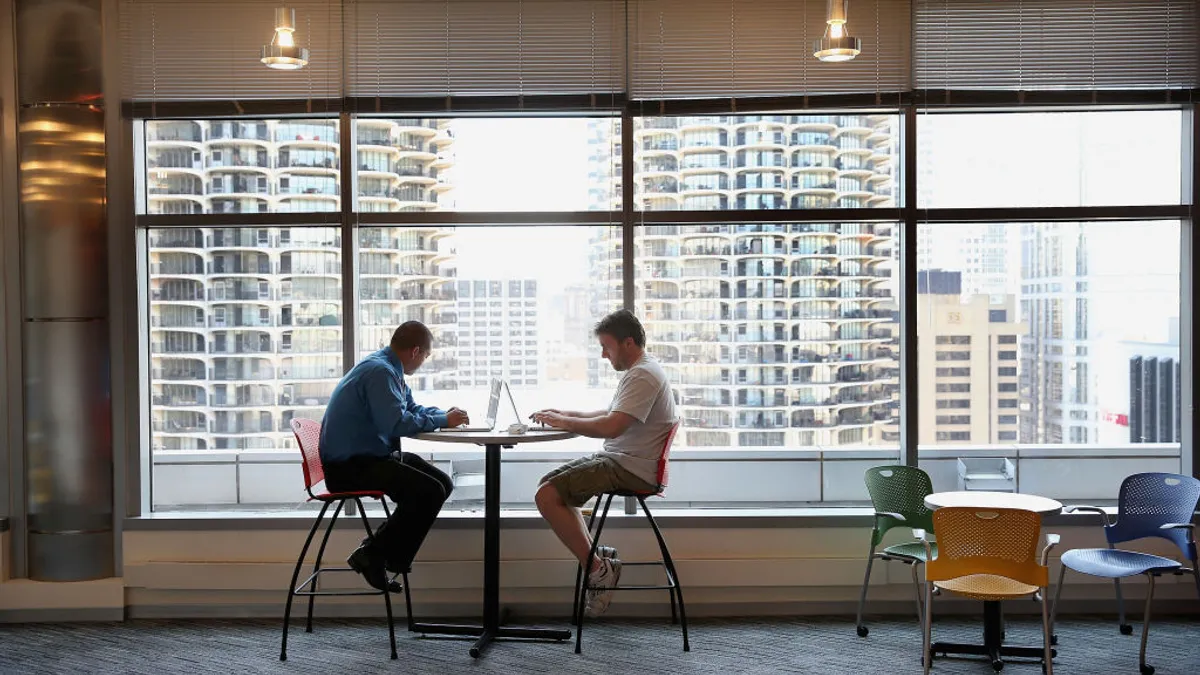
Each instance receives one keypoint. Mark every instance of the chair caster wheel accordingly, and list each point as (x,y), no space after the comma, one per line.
(1126,629)
(997,665)
(1054,640)
(1147,670)
(862,631)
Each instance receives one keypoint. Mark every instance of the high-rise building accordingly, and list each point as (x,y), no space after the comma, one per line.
(498,333)
(246,323)
(772,334)
(1078,299)
(967,358)
(983,253)
(1140,390)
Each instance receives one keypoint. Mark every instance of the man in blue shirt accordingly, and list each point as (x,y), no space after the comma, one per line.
(370,410)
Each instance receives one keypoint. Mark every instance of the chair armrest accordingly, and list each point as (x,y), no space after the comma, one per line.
(1083,508)
(888,514)
(923,536)
(1052,540)
(1189,527)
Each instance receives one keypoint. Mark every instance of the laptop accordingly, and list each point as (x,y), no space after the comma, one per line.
(493,407)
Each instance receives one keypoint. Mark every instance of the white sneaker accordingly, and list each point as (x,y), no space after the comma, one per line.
(602,581)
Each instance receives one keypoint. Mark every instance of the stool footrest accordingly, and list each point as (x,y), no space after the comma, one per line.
(336,593)
(636,588)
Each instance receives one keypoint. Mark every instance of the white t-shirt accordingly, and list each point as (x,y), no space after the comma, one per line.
(645,395)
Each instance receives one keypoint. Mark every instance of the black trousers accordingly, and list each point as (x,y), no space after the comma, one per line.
(417,487)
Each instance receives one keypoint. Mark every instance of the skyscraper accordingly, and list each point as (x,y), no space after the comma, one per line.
(246,323)
(772,334)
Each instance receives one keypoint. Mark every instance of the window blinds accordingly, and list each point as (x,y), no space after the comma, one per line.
(1055,44)
(399,48)
(746,48)
(187,50)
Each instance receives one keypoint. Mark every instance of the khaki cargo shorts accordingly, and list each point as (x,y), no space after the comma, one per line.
(579,480)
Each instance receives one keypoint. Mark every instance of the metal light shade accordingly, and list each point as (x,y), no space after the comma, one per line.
(283,53)
(837,49)
(284,58)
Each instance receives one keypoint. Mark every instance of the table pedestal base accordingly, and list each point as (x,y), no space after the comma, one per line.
(485,636)
(993,645)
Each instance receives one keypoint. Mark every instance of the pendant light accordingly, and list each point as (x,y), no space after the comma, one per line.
(283,53)
(836,45)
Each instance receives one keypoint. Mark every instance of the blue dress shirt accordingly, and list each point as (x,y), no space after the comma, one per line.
(371,407)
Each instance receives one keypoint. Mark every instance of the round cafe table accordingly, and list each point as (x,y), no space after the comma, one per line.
(994,500)
(492,628)
(993,645)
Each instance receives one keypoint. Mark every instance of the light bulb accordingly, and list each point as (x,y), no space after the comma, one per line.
(283,38)
(836,29)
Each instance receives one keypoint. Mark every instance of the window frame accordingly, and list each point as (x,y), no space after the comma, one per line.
(126,175)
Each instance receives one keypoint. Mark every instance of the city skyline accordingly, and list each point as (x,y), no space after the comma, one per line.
(441,176)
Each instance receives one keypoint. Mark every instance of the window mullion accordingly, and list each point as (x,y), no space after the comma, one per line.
(909,422)
(349,248)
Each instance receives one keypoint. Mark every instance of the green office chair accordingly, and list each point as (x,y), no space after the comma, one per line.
(898,494)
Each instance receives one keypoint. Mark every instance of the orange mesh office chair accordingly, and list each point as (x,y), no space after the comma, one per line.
(989,555)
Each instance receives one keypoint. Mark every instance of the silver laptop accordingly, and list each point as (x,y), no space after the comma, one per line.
(493,407)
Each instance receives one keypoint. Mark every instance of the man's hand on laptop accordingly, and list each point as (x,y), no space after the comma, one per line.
(456,417)
(549,417)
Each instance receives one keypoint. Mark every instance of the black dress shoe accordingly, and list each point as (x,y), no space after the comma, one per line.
(394,586)
(370,566)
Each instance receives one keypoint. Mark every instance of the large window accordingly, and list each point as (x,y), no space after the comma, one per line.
(1071,370)
(1049,159)
(529,325)
(775,335)
(1047,350)
(750,162)
(245,334)
(487,164)
(243,166)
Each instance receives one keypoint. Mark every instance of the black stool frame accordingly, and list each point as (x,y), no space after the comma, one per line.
(313,579)
(672,586)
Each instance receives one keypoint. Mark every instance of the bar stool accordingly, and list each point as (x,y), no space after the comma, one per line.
(672,586)
(308,434)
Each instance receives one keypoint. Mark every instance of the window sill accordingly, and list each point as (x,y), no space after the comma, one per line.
(527,519)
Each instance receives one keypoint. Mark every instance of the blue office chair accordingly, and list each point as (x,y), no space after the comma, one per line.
(1150,505)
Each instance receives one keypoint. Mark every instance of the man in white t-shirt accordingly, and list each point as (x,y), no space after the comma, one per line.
(634,428)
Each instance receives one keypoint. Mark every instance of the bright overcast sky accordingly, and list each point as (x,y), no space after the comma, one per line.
(531,164)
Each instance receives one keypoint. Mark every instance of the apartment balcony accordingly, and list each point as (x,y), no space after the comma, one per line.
(162,348)
(176,322)
(234,158)
(169,427)
(178,374)
(250,375)
(244,428)
(175,133)
(176,295)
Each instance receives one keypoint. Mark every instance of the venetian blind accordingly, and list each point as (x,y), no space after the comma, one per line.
(746,48)
(398,48)
(1055,44)
(185,50)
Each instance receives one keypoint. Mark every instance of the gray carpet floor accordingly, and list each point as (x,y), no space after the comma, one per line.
(802,645)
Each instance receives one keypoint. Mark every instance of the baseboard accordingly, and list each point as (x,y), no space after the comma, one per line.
(87,614)
(551,612)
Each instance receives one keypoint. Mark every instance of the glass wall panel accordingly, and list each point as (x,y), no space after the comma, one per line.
(1049,353)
